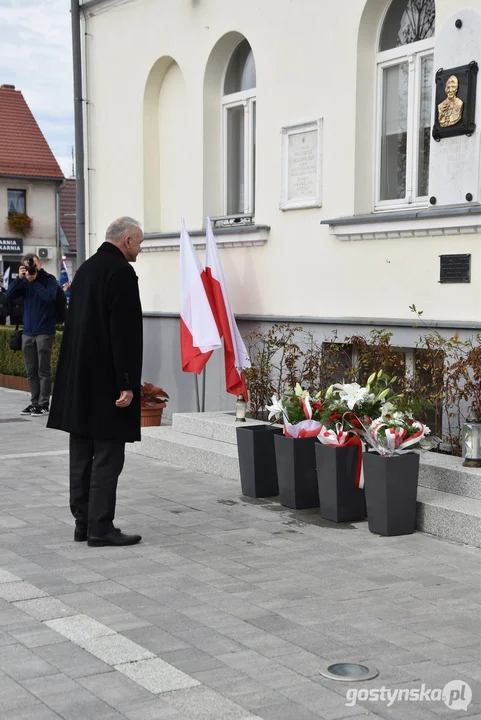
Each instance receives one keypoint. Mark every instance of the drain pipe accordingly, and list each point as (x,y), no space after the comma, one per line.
(79,132)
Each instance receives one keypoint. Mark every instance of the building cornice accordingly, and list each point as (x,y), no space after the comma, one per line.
(92,7)
(464,220)
(376,322)
(236,236)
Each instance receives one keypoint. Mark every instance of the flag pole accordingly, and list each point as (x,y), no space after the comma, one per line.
(203,387)
(196,380)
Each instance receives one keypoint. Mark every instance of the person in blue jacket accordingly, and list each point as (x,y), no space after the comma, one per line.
(39,291)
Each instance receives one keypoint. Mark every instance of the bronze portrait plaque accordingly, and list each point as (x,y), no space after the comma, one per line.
(455,101)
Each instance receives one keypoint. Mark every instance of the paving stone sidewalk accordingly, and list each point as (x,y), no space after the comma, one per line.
(226,610)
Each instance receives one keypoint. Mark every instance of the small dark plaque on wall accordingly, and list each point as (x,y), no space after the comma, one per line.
(455,101)
(455,269)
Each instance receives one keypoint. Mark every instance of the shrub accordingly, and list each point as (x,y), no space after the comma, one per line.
(11,363)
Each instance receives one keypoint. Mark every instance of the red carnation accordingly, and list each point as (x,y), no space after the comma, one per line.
(355,422)
(334,417)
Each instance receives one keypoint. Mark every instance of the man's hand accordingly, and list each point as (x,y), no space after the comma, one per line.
(21,272)
(125,399)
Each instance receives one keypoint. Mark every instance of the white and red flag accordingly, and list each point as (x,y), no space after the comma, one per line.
(199,336)
(236,357)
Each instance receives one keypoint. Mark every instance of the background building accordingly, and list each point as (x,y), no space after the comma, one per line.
(30,182)
(68,230)
(305,128)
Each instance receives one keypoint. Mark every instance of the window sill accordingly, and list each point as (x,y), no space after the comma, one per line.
(425,222)
(242,236)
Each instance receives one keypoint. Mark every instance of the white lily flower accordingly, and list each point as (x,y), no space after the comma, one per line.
(351,393)
(276,409)
(300,392)
(387,408)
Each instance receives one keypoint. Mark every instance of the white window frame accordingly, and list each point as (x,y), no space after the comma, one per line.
(245,99)
(413,55)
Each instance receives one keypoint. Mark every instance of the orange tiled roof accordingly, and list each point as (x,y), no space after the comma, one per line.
(23,148)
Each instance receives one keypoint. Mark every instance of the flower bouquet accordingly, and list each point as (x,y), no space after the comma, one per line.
(299,413)
(356,404)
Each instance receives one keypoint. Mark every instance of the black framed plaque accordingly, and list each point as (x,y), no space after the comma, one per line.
(455,105)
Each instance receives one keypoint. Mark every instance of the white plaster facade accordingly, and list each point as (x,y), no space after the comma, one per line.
(153,76)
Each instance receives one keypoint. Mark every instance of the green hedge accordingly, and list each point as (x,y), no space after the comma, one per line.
(11,363)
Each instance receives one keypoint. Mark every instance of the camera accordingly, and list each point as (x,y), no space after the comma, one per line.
(30,267)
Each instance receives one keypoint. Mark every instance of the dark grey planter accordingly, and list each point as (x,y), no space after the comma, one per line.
(340,500)
(257,460)
(296,472)
(391,485)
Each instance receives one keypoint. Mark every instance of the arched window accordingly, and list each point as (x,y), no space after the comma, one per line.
(405,91)
(239,110)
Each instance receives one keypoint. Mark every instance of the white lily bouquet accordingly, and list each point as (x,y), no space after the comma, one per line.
(300,414)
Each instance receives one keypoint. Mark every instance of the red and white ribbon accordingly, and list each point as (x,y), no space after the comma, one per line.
(303,429)
(343,438)
(397,439)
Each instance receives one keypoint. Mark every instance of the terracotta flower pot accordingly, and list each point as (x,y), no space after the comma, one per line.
(151,416)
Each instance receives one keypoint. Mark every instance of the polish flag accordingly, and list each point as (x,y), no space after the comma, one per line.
(235,354)
(198,331)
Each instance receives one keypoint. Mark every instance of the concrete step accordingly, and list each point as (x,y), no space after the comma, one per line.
(220,426)
(189,451)
(449,516)
(449,496)
(447,474)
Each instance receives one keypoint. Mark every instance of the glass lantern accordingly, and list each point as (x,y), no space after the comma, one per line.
(240,409)
(472,442)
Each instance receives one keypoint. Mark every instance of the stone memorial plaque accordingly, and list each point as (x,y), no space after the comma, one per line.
(454,167)
(301,166)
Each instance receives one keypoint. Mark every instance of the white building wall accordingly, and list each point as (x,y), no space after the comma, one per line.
(308,58)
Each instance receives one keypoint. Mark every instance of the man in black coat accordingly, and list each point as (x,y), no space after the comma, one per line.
(96,394)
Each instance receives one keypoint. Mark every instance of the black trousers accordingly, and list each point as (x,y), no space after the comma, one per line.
(95,466)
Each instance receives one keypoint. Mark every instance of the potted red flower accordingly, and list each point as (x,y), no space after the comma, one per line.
(19,222)
(152,403)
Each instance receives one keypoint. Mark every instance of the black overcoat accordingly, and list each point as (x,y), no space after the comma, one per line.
(101,351)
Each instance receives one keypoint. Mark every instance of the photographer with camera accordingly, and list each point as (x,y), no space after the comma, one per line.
(39,291)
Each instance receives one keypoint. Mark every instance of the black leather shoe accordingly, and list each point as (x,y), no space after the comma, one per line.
(80,535)
(114,538)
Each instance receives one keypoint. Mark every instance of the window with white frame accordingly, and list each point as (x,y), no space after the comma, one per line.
(239,131)
(405,92)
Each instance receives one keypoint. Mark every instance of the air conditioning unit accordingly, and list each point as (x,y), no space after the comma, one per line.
(45,253)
